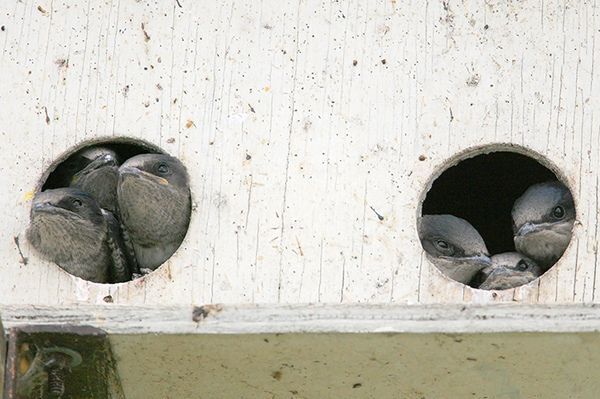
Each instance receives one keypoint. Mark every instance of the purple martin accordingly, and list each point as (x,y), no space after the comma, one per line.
(454,246)
(154,202)
(543,219)
(508,270)
(69,228)
(97,172)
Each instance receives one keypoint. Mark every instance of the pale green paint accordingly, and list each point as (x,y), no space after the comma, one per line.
(410,366)
(3,347)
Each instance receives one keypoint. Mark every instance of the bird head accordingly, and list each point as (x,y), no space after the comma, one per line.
(509,270)
(80,161)
(159,170)
(154,196)
(59,215)
(66,203)
(543,219)
(454,246)
(93,161)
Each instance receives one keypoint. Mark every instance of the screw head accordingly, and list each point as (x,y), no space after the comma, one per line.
(73,355)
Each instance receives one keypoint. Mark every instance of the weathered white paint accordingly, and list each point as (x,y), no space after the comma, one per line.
(290,142)
(342,318)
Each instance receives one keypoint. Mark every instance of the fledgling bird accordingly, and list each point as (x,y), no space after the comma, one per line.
(69,228)
(508,270)
(97,172)
(543,219)
(454,246)
(154,202)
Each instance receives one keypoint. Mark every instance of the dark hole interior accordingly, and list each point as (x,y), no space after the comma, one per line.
(124,150)
(482,191)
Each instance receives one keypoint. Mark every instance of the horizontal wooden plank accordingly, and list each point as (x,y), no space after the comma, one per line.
(252,319)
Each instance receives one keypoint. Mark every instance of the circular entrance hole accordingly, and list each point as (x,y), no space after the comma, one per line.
(507,219)
(110,211)
(58,173)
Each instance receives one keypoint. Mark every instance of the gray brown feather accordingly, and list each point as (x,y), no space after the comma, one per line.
(154,203)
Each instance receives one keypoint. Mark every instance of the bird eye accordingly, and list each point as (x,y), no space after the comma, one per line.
(522,266)
(162,168)
(558,212)
(444,247)
(76,202)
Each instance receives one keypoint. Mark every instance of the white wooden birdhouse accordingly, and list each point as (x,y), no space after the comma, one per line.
(315,134)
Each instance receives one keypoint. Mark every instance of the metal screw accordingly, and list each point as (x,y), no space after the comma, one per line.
(56,383)
(58,361)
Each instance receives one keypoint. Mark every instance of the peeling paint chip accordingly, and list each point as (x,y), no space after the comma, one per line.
(47,116)
(29,195)
(200,313)
(62,63)
(473,81)
(189,124)
(146,35)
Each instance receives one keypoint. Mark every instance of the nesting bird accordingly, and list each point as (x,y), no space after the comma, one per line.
(68,227)
(508,270)
(543,219)
(454,246)
(95,171)
(154,203)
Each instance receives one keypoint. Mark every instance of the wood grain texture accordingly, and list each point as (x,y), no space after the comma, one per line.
(296,119)
(318,318)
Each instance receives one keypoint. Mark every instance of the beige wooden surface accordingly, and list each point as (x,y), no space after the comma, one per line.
(382,366)
(294,118)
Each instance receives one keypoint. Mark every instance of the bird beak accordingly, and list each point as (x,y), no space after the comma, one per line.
(129,171)
(100,162)
(527,228)
(104,160)
(107,159)
(464,269)
(43,207)
(479,259)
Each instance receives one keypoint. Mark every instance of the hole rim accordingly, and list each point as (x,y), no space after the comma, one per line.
(486,149)
(112,140)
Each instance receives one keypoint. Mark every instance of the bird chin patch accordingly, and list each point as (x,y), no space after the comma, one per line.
(61,219)
(504,282)
(132,187)
(461,271)
(546,245)
(54,213)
